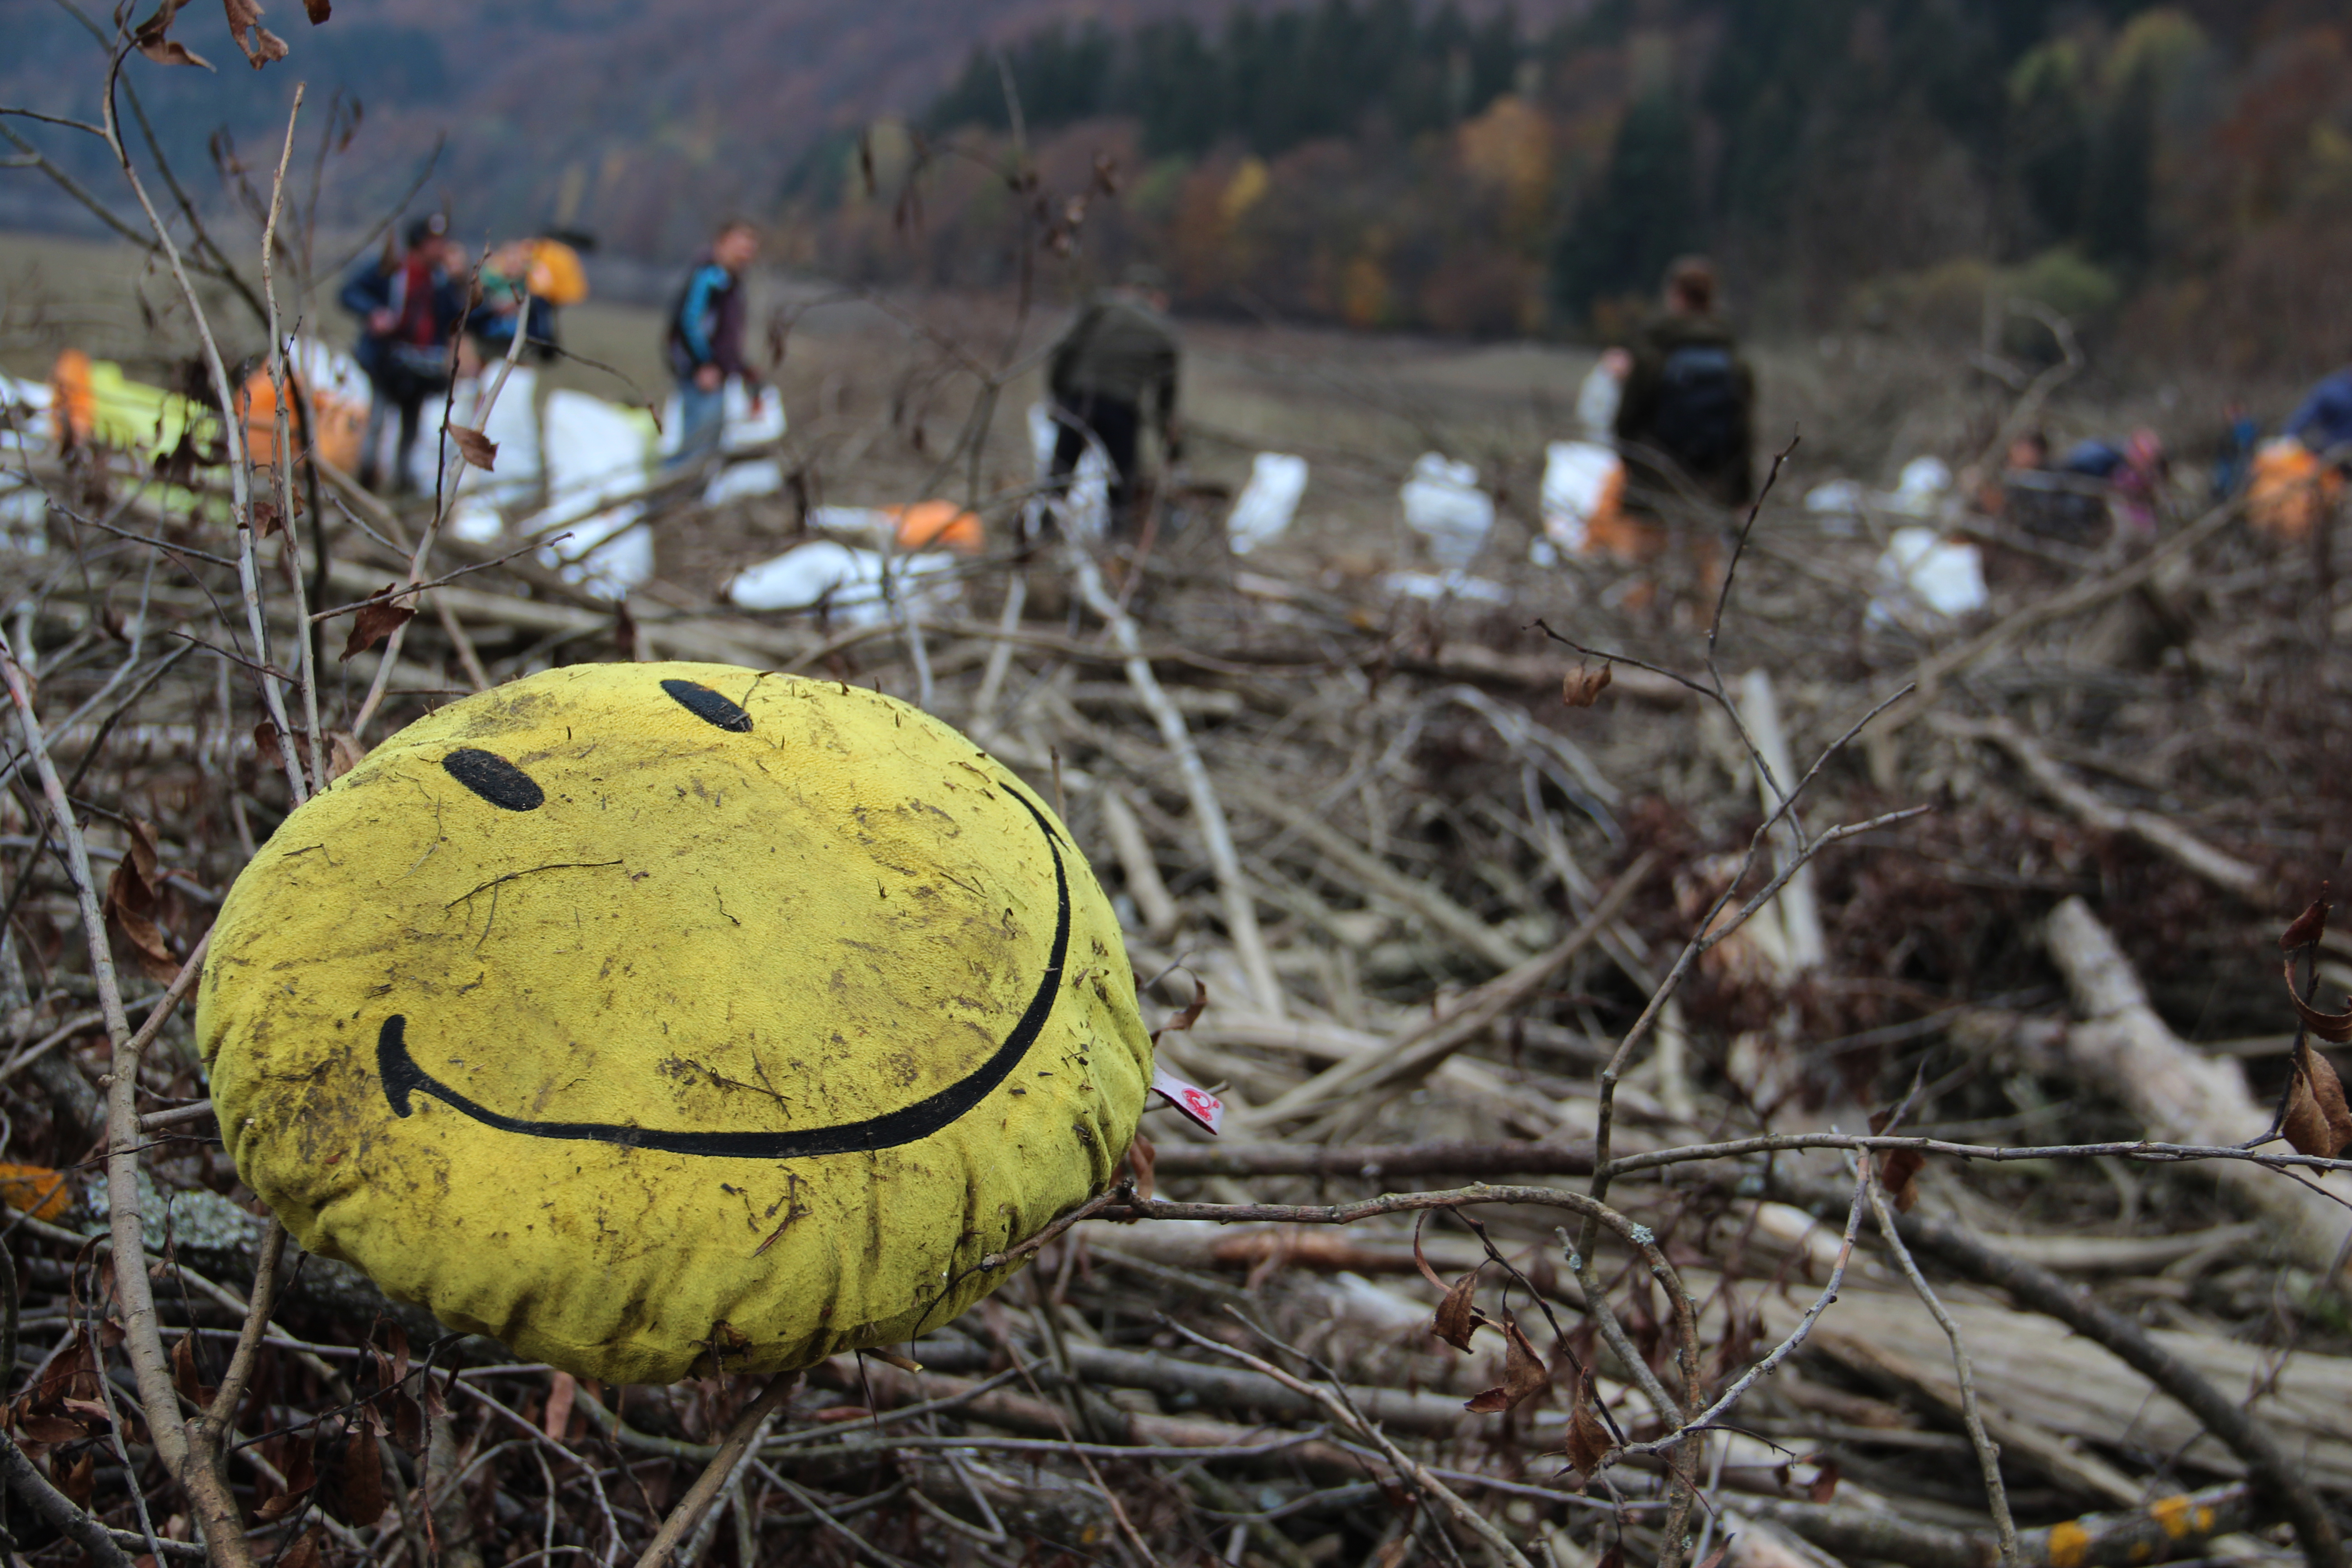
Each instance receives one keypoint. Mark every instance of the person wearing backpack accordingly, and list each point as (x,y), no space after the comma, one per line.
(1111,376)
(1686,423)
(410,306)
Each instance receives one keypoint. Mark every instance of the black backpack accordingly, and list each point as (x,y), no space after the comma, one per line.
(1697,422)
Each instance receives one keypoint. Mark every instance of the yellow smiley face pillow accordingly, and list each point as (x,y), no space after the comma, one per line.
(629,1013)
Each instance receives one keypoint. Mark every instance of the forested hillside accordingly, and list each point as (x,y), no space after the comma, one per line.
(2155,170)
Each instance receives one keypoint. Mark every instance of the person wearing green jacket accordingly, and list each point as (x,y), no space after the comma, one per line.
(1687,422)
(1113,371)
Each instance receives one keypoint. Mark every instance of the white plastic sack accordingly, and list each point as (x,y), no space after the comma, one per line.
(844,580)
(1267,503)
(749,429)
(1837,496)
(513,427)
(596,453)
(1920,489)
(1576,479)
(1927,581)
(1597,400)
(1451,584)
(1444,503)
(741,481)
(1085,512)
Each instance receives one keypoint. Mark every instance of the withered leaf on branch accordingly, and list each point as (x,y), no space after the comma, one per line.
(1140,1156)
(476,448)
(1898,1173)
(2334,1026)
(1190,1016)
(302,1475)
(303,1554)
(132,895)
(1458,1316)
(2317,1121)
(363,1495)
(1582,686)
(184,1377)
(2309,926)
(1588,1438)
(78,1480)
(1824,1484)
(152,38)
(264,46)
(1524,1375)
(319,10)
(376,620)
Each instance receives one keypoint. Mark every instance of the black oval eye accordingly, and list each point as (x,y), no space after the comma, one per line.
(495,779)
(708,706)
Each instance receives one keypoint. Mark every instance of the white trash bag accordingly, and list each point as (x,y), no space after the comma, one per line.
(1269,502)
(596,454)
(1444,503)
(1085,512)
(845,582)
(1576,480)
(1926,581)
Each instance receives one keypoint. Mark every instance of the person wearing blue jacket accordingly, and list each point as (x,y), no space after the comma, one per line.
(704,343)
(410,307)
(2324,421)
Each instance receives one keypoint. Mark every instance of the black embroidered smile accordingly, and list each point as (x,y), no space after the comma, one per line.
(507,786)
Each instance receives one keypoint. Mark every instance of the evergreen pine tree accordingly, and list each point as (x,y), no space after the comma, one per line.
(1642,215)
(2116,196)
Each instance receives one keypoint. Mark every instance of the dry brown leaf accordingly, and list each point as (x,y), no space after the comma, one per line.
(302,1475)
(319,10)
(1190,1016)
(132,895)
(1898,1173)
(1825,1484)
(376,620)
(364,1496)
(266,519)
(2309,926)
(1524,1375)
(51,1428)
(2317,1120)
(2332,1026)
(1458,1316)
(264,46)
(1587,1436)
(184,1377)
(1140,1157)
(77,1479)
(476,448)
(1582,686)
(345,752)
(151,38)
(303,1554)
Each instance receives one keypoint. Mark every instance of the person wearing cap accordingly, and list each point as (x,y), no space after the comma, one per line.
(1115,368)
(704,344)
(410,307)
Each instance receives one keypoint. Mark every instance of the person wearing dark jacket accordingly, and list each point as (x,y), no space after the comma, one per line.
(704,343)
(410,307)
(1114,369)
(1687,420)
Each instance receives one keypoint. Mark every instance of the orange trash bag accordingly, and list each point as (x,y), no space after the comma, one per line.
(2291,491)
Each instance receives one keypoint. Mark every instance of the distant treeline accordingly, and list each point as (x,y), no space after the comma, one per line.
(2175,173)
(1270,81)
